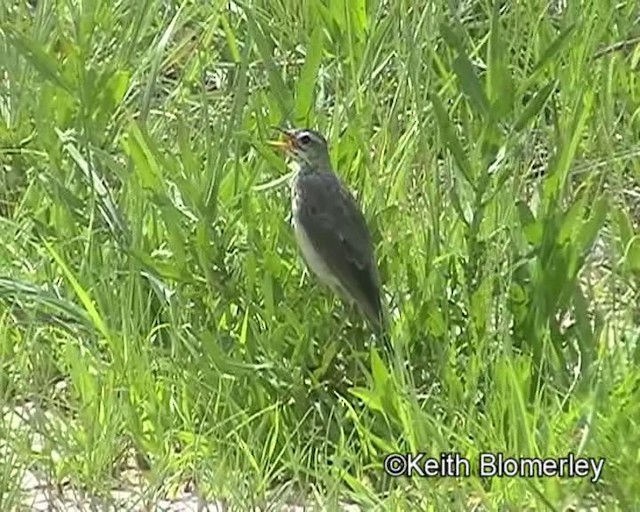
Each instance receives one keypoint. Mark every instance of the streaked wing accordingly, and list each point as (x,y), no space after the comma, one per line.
(338,231)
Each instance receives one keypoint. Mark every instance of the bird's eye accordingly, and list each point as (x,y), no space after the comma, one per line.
(305,139)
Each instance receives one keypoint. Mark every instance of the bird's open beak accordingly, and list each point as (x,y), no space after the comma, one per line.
(286,144)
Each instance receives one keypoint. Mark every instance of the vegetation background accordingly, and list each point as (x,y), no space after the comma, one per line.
(157,330)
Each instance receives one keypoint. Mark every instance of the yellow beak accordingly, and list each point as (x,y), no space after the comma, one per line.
(285,144)
(280,144)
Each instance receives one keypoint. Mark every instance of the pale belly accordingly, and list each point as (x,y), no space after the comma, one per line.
(314,261)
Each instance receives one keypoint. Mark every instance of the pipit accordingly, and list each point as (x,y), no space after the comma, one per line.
(330,228)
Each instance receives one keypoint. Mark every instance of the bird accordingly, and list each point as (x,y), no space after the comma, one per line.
(330,229)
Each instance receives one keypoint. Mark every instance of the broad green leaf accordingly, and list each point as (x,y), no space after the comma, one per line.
(11,288)
(467,77)
(172,218)
(274,183)
(558,44)
(244,330)
(188,158)
(384,385)
(532,229)
(45,64)
(451,140)
(165,270)
(205,252)
(572,220)
(499,84)
(117,86)
(338,12)
(306,85)
(218,152)
(471,86)
(86,301)
(265,49)
(624,224)
(108,208)
(59,191)
(558,171)
(83,374)
(157,53)
(369,398)
(328,356)
(436,322)
(357,12)
(632,254)
(138,148)
(535,105)
(590,229)
(379,371)
(232,42)
(267,293)
(457,206)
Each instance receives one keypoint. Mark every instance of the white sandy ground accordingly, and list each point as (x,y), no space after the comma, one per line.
(40,493)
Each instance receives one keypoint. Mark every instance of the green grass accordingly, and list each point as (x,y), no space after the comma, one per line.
(154,307)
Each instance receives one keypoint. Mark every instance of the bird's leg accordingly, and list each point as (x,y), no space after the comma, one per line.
(352,356)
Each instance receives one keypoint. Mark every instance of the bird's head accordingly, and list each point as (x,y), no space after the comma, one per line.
(305,146)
